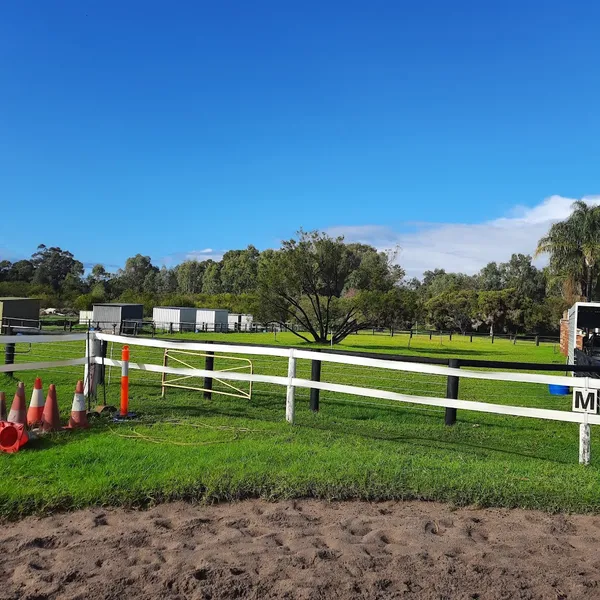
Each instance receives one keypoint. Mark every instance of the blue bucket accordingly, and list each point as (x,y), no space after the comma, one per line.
(558,390)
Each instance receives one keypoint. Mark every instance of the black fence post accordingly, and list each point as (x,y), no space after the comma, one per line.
(315,375)
(209,366)
(452,391)
(430,334)
(153,328)
(9,351)
(537,340)
(102,367)
(492,338)
(450,336)
(471,338)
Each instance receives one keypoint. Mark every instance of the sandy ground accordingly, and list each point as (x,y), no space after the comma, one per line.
(304,549)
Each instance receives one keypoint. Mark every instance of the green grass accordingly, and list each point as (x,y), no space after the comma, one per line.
(187,447)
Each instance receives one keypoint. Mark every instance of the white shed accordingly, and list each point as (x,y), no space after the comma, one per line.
(85,316)
(240,322)
(174,318)
(211,319)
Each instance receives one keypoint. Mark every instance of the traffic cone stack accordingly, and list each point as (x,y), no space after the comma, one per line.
(50,417)
(18,410)
(2,406)
(78,418)
(36,407)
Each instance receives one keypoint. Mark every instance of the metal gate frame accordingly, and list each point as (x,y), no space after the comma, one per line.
(238,393)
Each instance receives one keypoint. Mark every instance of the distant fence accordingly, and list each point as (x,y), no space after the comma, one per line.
(148,327)
(147,358)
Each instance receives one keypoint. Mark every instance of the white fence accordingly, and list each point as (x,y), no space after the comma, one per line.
(291,381)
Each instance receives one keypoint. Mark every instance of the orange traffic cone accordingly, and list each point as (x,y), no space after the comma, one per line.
(12,436)
(36,407)
(50,417)
(2,406)
(17,412)
(78,414)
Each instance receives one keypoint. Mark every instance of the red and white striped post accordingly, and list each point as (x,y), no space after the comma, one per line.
(125,381)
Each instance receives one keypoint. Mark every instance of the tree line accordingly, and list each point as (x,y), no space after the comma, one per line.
(325,289)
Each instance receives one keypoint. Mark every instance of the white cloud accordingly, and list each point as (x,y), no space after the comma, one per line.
(200,255)
(466,247)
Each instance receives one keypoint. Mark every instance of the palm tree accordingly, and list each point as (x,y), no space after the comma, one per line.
(574,249)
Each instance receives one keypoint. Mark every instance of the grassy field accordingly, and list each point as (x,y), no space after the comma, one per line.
(184,446)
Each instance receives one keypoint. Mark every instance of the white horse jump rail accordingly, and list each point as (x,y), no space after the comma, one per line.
(518,411)
(356,360)
(43,339)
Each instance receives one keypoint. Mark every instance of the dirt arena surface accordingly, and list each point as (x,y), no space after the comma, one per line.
(301,549)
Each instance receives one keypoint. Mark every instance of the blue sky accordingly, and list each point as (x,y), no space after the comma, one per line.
(185,129)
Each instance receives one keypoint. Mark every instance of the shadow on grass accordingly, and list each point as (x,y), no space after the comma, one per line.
(263,410)
(427,352)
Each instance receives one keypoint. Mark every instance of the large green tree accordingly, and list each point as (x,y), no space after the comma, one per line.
(137,276)
(304,283)
(574,249)
(239,270)
(211,280)
(189,276)
(53,265)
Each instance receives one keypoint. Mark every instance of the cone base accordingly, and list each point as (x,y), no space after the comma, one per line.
(77,426)
(124,418)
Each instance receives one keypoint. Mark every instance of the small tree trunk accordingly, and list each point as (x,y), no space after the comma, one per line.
(588,285)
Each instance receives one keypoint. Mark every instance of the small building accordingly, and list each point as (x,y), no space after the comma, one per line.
(174,318)
(212,319)
(19,313)
(117,317)
(86,316)
(240,322)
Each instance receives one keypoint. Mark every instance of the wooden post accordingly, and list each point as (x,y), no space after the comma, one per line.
(452,391)
(430,334)
(537,340)
(290,405)
(93,348)
(584,443)
(450,336)
(209,365)
(315,375)
(492,338)
(9,351)
(163,375)
(471,338)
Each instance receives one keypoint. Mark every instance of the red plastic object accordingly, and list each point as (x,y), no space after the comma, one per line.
(13,436)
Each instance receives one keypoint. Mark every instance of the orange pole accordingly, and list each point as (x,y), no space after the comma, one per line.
(125,381)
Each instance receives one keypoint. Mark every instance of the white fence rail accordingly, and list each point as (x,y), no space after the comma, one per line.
(43,339)
(291,381)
